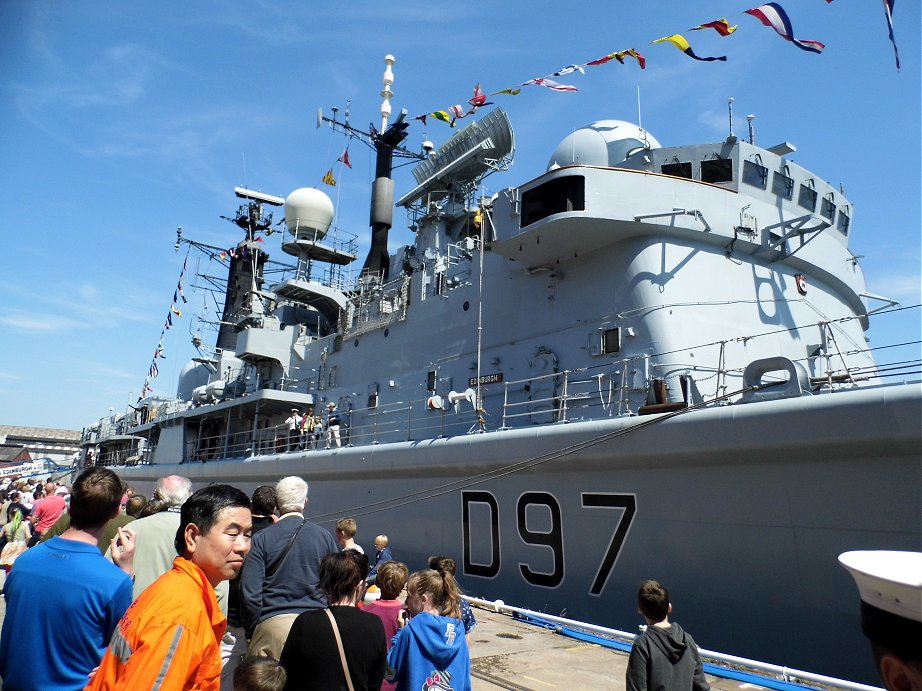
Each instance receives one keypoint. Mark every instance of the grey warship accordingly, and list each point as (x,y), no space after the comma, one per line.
(649,361)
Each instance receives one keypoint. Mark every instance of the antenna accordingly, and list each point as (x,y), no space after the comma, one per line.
(639,119)
(730,112)
(752,132)
(386,92)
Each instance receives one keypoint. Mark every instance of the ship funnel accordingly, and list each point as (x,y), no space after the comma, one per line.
(382,196)
(308,213)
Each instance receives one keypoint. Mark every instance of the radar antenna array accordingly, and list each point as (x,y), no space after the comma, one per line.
(481,148)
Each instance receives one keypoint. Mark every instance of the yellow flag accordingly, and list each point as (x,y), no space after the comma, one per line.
(329,179)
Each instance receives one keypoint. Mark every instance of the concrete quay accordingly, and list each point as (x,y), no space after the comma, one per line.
(508,653)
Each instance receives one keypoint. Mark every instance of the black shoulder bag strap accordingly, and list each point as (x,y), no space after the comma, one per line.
(270,572)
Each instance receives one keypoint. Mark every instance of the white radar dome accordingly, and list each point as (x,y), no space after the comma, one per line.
(308,211)
(603,143)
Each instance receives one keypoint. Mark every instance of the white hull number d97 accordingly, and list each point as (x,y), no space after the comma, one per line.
(481,522)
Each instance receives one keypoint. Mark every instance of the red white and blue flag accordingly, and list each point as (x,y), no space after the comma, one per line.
(888,10)
(773,15)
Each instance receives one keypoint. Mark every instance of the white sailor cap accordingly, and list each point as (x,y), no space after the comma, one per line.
(890,586)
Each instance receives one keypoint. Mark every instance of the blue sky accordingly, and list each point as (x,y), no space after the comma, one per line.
(121,121)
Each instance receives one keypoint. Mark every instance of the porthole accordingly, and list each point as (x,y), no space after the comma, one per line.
(387,332)
(355,343)
(466,306)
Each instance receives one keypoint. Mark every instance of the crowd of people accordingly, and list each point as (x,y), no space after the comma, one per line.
(214,589)
(306,430)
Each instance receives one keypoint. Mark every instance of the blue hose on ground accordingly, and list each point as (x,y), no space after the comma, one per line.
(709,668)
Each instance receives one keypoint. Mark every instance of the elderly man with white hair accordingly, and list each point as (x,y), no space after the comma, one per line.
(156,534)
(282,572)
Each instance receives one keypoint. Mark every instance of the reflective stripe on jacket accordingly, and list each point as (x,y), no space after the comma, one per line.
(169,639)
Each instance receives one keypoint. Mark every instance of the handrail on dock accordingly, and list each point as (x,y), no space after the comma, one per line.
(785,673)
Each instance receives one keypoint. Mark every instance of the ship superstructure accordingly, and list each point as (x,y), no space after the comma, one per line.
(659,346)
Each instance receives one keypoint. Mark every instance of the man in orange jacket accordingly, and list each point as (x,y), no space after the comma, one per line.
(170,638)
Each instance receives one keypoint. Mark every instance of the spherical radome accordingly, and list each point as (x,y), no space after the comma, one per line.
(308,208)
(603,143)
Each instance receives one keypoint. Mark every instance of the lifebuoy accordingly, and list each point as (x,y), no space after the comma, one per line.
(801,282)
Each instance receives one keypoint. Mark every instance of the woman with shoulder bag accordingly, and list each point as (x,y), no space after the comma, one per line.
(339,648)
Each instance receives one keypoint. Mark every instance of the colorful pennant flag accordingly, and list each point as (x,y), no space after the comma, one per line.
(508,92)
(619,56)
(478,99)
(441,115)
(568,69)
(550,84)
(175,311)
(458,112)
(641,60)
(329,179)
(154,370)
(344,159)
(679,42)
(773,15)
(888,11)
(721,26)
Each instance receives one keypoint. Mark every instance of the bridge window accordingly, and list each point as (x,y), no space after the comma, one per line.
(553,197)
(828,210)
(678,169)
(717,170)
(844,220)
(755,174)
(807,196)
(782,185)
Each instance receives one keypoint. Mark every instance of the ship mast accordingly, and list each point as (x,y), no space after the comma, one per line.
(386,144)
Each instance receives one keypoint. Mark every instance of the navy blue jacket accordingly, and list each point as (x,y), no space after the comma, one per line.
(293,586)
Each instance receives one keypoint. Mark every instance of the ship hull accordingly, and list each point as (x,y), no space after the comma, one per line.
(741,510)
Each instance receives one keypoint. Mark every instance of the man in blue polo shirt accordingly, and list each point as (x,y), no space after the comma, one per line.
(83,596)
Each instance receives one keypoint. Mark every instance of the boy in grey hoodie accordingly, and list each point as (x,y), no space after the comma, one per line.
(664,657)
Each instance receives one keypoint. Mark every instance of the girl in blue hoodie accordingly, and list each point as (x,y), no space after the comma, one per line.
(429,651)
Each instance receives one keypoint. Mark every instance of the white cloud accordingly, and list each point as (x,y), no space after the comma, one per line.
(27,322)
(907,288)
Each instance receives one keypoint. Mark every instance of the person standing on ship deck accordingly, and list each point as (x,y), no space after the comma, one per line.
(294,430)
(304,429)
(333,423)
